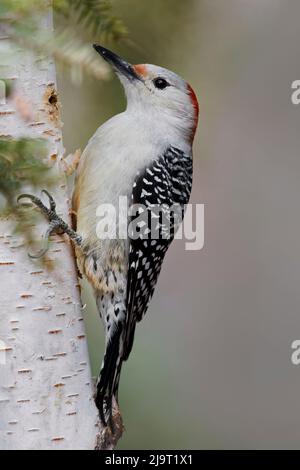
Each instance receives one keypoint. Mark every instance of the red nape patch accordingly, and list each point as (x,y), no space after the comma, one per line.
(195,104)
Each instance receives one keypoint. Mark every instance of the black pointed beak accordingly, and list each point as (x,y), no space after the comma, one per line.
(119,64)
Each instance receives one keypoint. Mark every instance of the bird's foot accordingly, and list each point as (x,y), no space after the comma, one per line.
(56,224)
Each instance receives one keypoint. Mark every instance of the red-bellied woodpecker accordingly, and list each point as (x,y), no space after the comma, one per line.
(145,155)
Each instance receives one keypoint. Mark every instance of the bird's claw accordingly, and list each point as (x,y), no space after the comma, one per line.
(37,201)
(46,240)
(51,200)
(50,213)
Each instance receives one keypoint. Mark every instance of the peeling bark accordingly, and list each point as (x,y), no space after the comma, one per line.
(46,390)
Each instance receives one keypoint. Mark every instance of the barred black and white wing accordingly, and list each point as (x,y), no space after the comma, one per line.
(159,195)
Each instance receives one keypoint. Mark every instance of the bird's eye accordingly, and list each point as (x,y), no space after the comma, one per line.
(160,83)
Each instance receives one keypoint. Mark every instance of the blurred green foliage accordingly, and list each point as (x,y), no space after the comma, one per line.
(22,163)
(21,19)
(94,15)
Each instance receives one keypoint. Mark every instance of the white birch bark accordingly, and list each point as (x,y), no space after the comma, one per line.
(46,391)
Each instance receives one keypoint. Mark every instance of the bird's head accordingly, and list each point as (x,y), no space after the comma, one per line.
(157,93)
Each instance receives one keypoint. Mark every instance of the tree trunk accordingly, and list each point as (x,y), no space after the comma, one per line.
(46,390)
